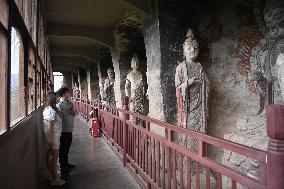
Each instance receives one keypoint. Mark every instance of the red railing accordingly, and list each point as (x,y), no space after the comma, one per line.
(85,108)
(161,162)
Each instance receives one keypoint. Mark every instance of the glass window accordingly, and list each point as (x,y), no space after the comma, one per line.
(38,88)
(58,80)
(17,90)
(31,81)
(3,81)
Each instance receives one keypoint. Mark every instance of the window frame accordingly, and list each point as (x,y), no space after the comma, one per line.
(15,24)
(5,32)
(30,34)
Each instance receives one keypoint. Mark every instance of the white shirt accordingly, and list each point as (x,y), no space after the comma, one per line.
(49,114)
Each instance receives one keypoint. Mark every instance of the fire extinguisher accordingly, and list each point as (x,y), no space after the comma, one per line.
(94,130)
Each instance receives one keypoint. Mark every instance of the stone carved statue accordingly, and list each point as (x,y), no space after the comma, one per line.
(135,87)
(280,73)
(108,88)
(76,90)
(264,55)
(84,85)
(192,88)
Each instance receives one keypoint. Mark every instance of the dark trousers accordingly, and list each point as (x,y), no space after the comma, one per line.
(65,144)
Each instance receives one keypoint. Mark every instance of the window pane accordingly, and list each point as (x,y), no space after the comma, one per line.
(3,76)
(31,79)
(17,92)
(58,80)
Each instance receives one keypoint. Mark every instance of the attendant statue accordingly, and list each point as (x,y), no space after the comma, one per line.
(85,90)
(135,87)
(76,90)
(280,74)
(192,89)
(108,89)
(264,55)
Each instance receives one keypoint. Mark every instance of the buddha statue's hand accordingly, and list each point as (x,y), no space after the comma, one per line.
(191,80)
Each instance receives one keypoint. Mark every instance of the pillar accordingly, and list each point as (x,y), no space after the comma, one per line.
(164,35)
(93,82)
(275,152)
(104,62)
(82,76)
(121,65)
(154,64)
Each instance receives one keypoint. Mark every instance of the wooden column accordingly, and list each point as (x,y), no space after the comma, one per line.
(275,151)
(125,129)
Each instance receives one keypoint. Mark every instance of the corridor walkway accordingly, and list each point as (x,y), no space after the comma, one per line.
(97,167)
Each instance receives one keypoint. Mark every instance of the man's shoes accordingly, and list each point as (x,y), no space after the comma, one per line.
(69,165)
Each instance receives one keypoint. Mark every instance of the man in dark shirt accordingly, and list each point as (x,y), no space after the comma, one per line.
(68,114)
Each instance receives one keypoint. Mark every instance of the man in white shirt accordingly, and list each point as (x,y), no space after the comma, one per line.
(68,114)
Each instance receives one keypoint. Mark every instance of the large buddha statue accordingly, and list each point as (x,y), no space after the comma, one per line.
(108,88)
(84,85)
(265,54)
(192,88)
(134,87)
(76,90)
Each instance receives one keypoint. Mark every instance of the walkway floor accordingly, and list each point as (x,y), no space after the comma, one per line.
(97,167)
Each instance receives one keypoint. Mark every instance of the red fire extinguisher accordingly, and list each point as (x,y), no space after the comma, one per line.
(94,130)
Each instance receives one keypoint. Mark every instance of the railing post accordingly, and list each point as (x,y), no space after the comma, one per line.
(275,152)
(125,129)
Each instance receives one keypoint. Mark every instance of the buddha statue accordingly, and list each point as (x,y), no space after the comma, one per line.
(108,88)
(135,87)
(192,88)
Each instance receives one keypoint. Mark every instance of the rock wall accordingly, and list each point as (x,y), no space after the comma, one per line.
(227,31)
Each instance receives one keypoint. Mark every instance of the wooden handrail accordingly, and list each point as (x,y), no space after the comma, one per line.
(139,148)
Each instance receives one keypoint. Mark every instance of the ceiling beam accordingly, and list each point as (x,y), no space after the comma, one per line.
(89,54)
(141,7)
(64,67)
(59,60)
(102,36)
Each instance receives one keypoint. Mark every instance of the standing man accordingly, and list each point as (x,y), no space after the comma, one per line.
(68,114)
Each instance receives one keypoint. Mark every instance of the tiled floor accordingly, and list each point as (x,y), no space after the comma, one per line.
(97,167)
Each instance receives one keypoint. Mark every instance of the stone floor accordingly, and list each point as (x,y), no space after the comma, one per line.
(97,167)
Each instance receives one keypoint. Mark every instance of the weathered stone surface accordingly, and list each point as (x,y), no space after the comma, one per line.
(93,82)
(154,92)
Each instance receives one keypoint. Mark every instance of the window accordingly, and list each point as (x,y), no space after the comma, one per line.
(3,81)
(43,86)
(31,81)
(58,80)
(4,12)
(38,79)
(17,90)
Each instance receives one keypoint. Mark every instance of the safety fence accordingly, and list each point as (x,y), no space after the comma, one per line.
(162,162)
(86,108)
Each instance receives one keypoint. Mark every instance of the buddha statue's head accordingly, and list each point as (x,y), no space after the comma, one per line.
(135,62)
(110,73)
(274,18)
(190,47)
